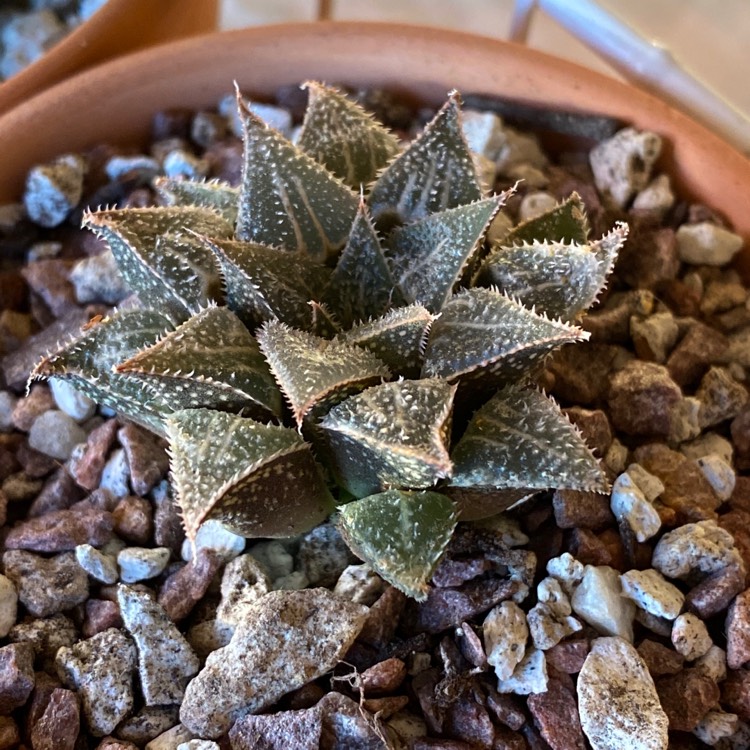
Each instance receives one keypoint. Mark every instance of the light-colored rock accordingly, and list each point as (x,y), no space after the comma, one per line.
(548,627)
(8,605)
(98,279)
(617,699)
(165,659)
(147,723)
(100,669)
(54,189)
(630,505)
(657,334)
(713,663)
(215,536)
(295,581)
(653,593)
(622,164)
(276,117)
(116,474)
(7,404)
(98,565)
(273,556)
(685,421)
(659,625)
(499,228)
(483,132)
(656,198)
(180,163)
(209,636)
(690,636)
(198,745)
(707,244)
(617,457)
(649,484)
(359,584)
(599,601)
(534,204)
(707,444)
(55,434)
(507,529)
(289,639)
(567,570)
(695,549)
(505,635)
(715,726)
(720,475)
(243,582)
(530,676)
(519,148)
(171,739)
(142,563)
(71,401)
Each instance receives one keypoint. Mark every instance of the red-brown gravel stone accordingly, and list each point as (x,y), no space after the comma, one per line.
(469,722)
(147,458)
(16,675)
(133,519)
(659,659)
(715,593)
(579,509)
(59,725)
(568,656)
(87,468)
(686,697)
(185,588)
(738,631)
(555,713)
(100,614)
(699,348)
(735,692)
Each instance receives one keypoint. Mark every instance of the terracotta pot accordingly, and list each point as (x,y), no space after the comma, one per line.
(118,27)
(114,101)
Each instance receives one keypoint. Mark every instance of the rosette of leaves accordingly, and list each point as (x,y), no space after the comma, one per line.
(336,334)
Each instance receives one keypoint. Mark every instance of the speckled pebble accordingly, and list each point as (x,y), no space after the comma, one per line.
(46,635)
(147,723)
(653,593)
(198,745)
(99,566)
(359,584)
(505,635)
(617,699)
(720,475)
(142,563)
(100,669)
(273,556)
(71,401)
(53,190)
(165,659)
(713,664)
(630,505)
(690,636)
(529,676)
(171,739)
(715,726)
(98,279)
(243,582)
(116,474)
(55,434)
(567,570)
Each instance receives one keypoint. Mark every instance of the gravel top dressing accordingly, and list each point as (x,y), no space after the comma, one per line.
(575,619)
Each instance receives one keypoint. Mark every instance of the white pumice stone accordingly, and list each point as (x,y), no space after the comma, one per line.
(529,677)
(567,570)
(215,536)
(656,198)
(707,244)
(171,739)
(534,204)
(713,663)
(720,475)
(716,726)
(98,565)
(198,745)
(74,403)
(690,636)
(359,584)
(505,635)
(142,563)
(273,556)
(548,625)
(617,699)
(519,148)
(622,164)
(649,484)
(630,505)
(653,593)
(294,581)
(483,132)
(243,582)
(599,601)
(116,474)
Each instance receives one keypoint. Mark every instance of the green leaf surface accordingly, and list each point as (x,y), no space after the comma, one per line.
(316,372)
(566,222)
(435,172)
(287,199)
(88,364)
(521,439)
(214,194)
(481,332)
(361,286)
(343,137)
(427,258)
(391,435)
(160,257)
(266,283)
(400,535)
(211,360)
(259,480)
(398,338)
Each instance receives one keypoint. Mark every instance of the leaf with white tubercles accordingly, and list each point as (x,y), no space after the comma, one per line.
(429,257)
(211,360)
(559,279)
(220,196)
(266,283)
(164,263)
(483,333)
(259,480)
(391,435)
(313,372)
(400,535)
(566,222)
(89,362)
(398,338)
(521,439)
(434,173)
(287,199)
(343,137)
(361,285)
(324,323)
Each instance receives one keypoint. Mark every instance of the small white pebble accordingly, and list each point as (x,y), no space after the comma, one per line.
(273,557)
(530,676)
(630,505)
(171,739)
(656,198)
(294,581)
(180,163)
(567,570)
(116,474)
(520,148)
(653,593)
(715,726)
(707,244)
(98,565)
(505,635)
(599,601)
(649,484)
(720,475)
(217,537)
(198,745)
(690,636)
(359,584)
(71,401)
(706,444)
(55,434)
(713,663)
(483,132)
(535,204)
(142,563)
(7,403)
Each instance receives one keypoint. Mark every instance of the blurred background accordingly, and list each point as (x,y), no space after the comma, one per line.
(710,38)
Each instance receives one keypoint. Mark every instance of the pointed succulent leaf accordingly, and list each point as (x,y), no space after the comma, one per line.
(88,364)
(210,360)
(159,256)
(316,372)
(481,332)
(287,198)
(361,285)
(521,439)
(215,194)
(400,535)
(266,283)
(566,222)
(324,323)
(343,137)
(398,338)
(391,435)
(435,172)
(259,480)
(559,279)
(428,257)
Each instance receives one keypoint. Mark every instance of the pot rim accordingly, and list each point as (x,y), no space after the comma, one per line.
(420,60)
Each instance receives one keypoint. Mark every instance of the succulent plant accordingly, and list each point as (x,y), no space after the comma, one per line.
(337,336)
